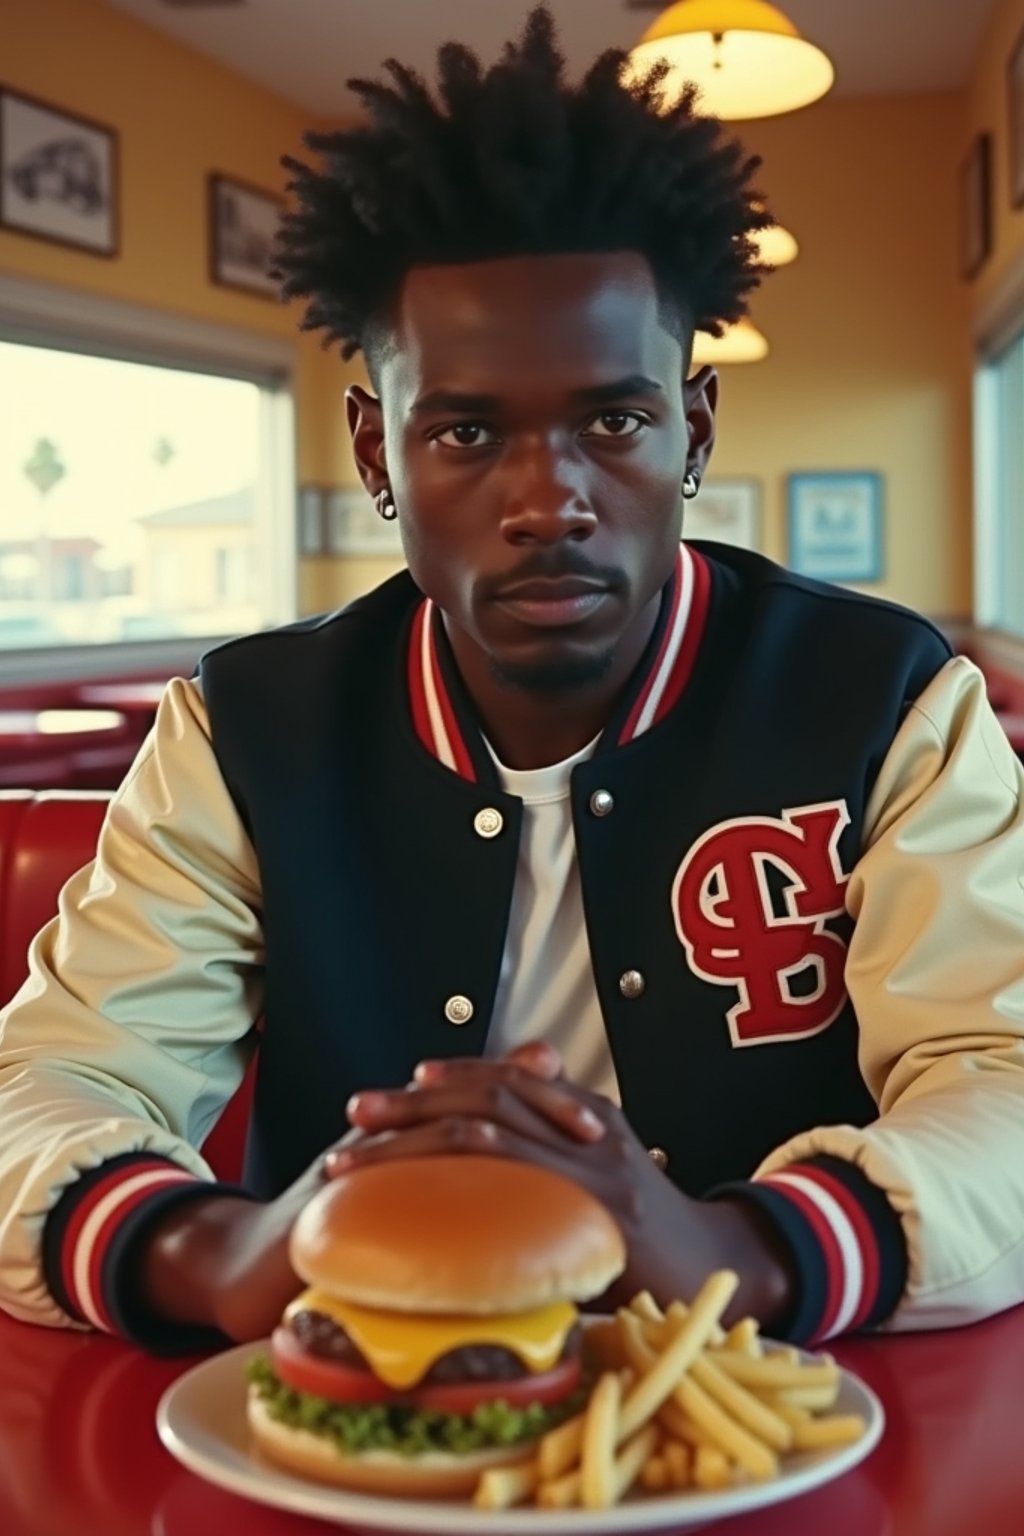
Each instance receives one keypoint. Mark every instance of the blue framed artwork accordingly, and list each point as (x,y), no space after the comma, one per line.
(835,525)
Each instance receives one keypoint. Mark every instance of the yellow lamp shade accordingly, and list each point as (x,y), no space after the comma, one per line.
(775,245)
(741,343)
(747,58)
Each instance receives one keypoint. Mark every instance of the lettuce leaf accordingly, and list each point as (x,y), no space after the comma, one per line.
(355,1427)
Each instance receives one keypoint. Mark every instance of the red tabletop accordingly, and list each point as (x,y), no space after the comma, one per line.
(79,1454)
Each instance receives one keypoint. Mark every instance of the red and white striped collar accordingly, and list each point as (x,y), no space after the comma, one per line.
(442,716)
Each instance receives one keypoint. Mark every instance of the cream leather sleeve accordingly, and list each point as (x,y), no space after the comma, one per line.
(130,1033)
(936,974)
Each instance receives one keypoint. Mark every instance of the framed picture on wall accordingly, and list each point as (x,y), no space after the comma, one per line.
(58,175)
(309,521)
(976,206)
(243,221)
(835,525)
(1015,102)
(355,527)
(727,511)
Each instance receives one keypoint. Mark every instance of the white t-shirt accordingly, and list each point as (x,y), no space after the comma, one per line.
(546,990)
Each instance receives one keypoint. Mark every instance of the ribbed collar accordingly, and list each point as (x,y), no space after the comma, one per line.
(443,715)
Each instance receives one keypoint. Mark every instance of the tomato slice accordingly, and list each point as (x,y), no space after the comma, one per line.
(321,1377)
(463,1396)
(339,1383)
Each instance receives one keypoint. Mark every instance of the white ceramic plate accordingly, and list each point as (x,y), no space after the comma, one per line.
(201,1420)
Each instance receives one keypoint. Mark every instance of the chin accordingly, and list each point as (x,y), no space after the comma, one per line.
(555,674)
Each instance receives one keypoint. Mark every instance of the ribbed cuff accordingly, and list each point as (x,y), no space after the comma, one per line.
(844,1238)
(88,1240)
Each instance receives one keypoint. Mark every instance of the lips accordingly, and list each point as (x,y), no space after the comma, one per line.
(552,602)
(550,589)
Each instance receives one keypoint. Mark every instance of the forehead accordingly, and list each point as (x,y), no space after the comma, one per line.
(528,320)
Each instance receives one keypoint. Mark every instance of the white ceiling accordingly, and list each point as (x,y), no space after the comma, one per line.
(306,49)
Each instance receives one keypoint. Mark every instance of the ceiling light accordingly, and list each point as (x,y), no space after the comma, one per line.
(747,57)
(740,343)
(775,245)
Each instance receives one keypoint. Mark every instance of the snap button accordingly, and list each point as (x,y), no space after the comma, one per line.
(458,1010)
(658,1156)
(631,983)
(488,822)
(601,802)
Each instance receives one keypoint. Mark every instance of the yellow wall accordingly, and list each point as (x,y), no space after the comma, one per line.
(868,367)
(179,115)
(865,328)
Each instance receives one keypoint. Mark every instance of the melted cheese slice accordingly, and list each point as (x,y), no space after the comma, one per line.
(402,1346)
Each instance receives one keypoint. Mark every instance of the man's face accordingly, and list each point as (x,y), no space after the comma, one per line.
(535,441)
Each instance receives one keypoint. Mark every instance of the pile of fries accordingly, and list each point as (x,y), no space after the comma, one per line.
(678,1403)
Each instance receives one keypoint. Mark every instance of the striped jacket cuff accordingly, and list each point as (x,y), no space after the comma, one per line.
(844,1238)
(87,1245)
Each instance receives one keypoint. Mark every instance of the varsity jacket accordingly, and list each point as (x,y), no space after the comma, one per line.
(801,847)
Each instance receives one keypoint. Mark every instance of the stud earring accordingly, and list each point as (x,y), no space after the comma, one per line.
(691,483)
(385,506)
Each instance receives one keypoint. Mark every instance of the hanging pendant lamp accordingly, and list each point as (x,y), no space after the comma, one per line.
(747,57)
(775,245)
(741,343)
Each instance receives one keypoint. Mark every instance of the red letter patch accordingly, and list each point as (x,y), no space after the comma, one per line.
(724,916)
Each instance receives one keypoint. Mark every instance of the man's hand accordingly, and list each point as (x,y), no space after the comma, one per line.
(522,1107)
(221,1261)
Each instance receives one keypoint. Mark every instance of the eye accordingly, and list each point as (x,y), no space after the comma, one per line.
(466,434)
(616,424)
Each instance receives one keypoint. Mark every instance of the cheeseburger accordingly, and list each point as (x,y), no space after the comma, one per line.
(439,1334)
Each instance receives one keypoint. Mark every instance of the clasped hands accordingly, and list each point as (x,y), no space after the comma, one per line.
(522,1106)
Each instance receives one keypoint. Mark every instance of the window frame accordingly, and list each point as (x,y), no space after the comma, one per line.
(45,315)
(998,323)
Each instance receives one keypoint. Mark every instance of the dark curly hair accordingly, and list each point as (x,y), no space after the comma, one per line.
(514,161)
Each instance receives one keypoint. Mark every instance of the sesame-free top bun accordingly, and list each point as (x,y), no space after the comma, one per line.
(456,1234)
(432,1475)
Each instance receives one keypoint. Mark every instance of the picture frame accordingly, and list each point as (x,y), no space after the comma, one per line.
(1015,108)
(836,525)
(242,222)
(726,511)
(354,528)
(975,192)
(59,175)
(309,520)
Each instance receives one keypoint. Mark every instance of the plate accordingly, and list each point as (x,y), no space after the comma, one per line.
(201,1420)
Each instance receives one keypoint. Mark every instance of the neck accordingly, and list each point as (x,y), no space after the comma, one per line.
(529,729)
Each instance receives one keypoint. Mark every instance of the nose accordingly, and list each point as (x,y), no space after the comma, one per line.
(546,498)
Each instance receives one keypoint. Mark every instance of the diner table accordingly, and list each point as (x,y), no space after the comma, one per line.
(79,1453)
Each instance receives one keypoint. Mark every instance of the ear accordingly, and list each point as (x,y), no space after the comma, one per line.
(700,400)
(365,417)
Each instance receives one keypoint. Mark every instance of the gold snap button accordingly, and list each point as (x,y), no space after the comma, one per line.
(458,1010)
(631,983)
(488,822)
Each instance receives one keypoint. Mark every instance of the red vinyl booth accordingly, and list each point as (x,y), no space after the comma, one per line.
(45,837)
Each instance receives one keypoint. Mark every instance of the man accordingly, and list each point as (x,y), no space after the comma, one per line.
(568,816)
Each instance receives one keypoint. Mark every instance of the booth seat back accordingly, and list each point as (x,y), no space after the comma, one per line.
(45,836)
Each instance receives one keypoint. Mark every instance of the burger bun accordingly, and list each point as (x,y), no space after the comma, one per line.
(433,1475)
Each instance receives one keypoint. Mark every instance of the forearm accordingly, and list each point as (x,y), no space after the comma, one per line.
(676,1258)
(183,1260)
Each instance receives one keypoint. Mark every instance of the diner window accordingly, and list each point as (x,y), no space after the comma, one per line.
(999,489)
(136,501)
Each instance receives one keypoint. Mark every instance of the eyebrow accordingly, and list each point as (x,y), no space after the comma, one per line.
(460,404)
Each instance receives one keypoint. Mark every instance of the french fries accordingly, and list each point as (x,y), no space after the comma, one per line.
(678,1403)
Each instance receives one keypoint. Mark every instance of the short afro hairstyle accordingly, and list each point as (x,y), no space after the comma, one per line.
(514,161)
